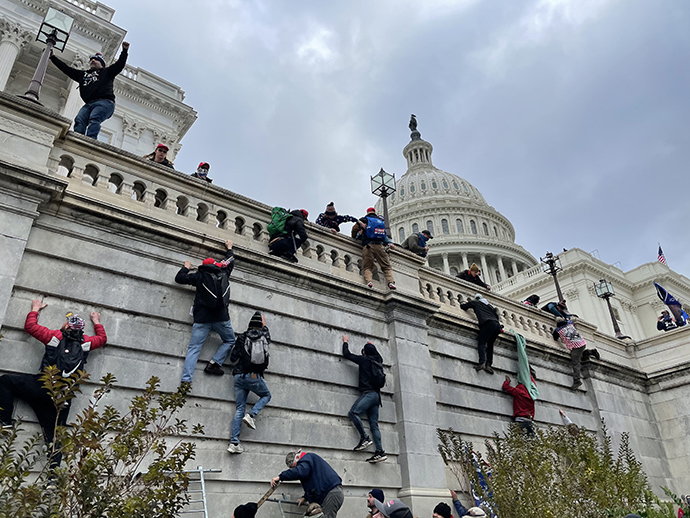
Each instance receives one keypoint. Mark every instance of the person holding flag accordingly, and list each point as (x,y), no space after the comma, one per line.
(674,306)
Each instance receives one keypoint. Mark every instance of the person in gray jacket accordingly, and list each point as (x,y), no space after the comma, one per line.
(489,329)
(417,243)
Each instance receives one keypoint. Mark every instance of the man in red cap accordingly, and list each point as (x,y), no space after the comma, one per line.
(371,229)
(160,155)
(202,172)
(286,243)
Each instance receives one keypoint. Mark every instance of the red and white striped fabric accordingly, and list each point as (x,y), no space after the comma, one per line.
(570,337)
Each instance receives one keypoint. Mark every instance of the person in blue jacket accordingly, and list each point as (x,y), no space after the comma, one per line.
(319,480)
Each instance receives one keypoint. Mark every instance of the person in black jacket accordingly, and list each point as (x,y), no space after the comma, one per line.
(250,356)
(209,316)
(489,329)
(472,275)
(293,236)
(666,322)
(369,401)
(96,90)
(160,156)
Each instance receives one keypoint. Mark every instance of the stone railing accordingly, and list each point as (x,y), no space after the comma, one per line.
(127,184)
(517,279)
(146,78)
(665,351)
(96,8)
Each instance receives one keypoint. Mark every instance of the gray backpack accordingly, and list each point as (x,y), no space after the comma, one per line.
(257,351)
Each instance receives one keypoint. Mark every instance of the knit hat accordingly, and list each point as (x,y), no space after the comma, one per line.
(204,165)
(389,508)
(475,511)
(474,267)
(304,213)
(74,322)
(98,57)
(377,494)
(208,260)
(256,321)
(330,209)
(247,510)
(443,509)
(162,146)
(370,210)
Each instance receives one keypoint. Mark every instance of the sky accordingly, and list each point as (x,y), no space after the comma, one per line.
(571,117)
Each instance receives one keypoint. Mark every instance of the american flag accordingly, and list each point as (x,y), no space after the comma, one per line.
(661,257)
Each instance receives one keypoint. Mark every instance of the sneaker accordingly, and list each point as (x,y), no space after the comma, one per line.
(213,368)
(370,284)
(363,444)
(249,421)
(596,354)
(576,385)
(235,448)
(489,369)
(51,483)
(379,456)
(6,426)
(391,286)
(479,367)
(290,258)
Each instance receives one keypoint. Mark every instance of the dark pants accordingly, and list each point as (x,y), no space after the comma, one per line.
(525,425)
(576,357)
(553,309)
(28,387)
(369,403)
(332,502)
(488,332)
(285,246)
(91,115)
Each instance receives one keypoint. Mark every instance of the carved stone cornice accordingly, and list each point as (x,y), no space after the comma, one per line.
(132,126)
(15,33)
(572,294)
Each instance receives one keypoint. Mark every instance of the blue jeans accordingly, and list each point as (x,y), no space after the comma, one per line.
(369,403)
(92,115)
(551,308)
(244,384)
(199,334)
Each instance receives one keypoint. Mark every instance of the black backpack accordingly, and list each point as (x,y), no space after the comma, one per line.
(378,377)
(68,356)
(214,290)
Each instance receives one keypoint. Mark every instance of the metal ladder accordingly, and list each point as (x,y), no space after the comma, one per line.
(201,489)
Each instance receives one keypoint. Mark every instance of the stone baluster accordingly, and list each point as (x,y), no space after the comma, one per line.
(149,198)
(77,173)
(53,164)
(193,213)
(127,189)
(103,181)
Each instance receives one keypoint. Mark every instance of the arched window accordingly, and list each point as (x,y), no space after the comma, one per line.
(461,227)
(485,229)
(430,226)
(465,188)
(498,276)
(423,185)
(444,226)
(401,234)
(138,190)
(473,226)
(434,185)
(115,183)
(182,204)
(455,185)
(495,231)
(402,191)
(65,166)
(411,187)
(445,184)
(221,219)
(161,196)
(90,174)
(415,228)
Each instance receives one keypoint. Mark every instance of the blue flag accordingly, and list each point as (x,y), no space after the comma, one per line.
(674,307)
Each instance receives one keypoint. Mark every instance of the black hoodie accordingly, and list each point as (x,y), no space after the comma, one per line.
(94,84)
(364,362)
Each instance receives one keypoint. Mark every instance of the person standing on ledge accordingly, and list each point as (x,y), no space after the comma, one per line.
(472,275)
(331,219)
(95,89)
(489,329)
(372,230)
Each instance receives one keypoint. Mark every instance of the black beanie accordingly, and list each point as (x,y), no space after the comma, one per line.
(256,321)
(443,509)
(247,510)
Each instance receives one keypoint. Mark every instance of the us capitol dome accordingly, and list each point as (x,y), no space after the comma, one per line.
(465,228)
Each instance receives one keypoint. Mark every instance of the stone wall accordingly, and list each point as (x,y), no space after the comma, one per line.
(84,242)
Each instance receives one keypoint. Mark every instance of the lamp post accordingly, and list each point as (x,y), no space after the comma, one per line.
(604,290)
(551,265)
(54,32)
(383,185)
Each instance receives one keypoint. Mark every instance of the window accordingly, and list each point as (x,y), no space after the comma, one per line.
(465,188)
(160,198)
(430,226)
(434,185)
(495,231)
(455,185)
(411,187)
(444,226)
(401,234)
(485,229)
(415,228)
(423,185)
(498,276)
(461,227)
(445,184)
(402,191)
(473,226)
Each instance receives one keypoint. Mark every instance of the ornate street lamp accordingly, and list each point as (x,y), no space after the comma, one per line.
(604,290)
(54,32)
(551,265)
(383,185)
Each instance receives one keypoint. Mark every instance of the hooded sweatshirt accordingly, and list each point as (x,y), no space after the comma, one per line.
(364,362)
(485,312)
(96,84)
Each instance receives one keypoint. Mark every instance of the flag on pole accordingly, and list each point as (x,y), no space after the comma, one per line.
(674,306)
(661,257)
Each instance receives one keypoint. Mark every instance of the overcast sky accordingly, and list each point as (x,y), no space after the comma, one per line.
(571,117)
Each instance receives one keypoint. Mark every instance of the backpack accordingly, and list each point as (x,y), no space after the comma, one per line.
(257,352)
(214,290)
(378,377)
(279,217)
(376,229)
(69,355)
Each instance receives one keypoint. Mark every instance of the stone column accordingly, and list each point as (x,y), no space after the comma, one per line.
(446,265)
(13,38)
(501,268)
(513,265)
(465,264)
(486,274)
(73,103)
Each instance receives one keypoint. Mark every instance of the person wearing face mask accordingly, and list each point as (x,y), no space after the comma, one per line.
(202,172)
(95,89)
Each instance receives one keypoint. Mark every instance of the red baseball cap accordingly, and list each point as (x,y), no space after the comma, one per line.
(162,146)
(305,213)
(205,165)
(371,209)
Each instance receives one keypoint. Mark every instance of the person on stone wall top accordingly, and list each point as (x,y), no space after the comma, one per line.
(577,346)
(159,156)
(331,219)
(472,275)
(210,310)
(489,329)
(371,229)
(202,172)
(319,480)
(29,388)
(666,322)
(95,89)
(417,243)
(371,381)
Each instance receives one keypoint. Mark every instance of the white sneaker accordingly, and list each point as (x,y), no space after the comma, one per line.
(235,448)
(370,284)
(249,421)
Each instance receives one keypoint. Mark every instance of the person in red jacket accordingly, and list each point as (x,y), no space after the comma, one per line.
(523,404)
(29,387)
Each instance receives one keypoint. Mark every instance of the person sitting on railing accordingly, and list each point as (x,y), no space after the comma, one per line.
(293,235)
(472,275)
(160,155)
(531,301)
(95,89)
(559,310)
(417,243)
(331,219)
(202,172)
